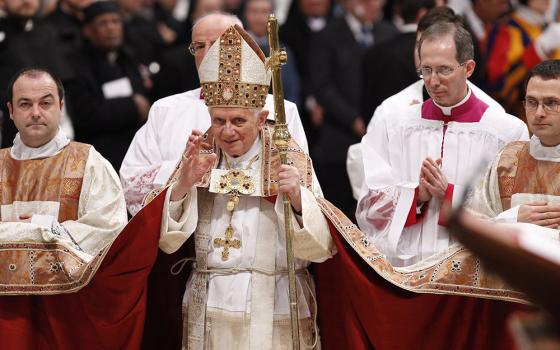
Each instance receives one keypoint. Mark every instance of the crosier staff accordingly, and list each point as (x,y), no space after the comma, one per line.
(281,137)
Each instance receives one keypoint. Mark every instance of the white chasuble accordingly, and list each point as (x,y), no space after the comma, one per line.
(246,294)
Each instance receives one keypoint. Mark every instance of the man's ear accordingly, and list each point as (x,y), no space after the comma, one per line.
(262,117)
(470,65)
(10,107)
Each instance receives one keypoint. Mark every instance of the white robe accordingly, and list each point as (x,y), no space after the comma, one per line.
(229,296)
(397,141)
(101,209)
(159,144)
(354,161)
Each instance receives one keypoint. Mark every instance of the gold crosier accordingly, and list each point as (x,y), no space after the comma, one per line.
(234,183)
(281,137)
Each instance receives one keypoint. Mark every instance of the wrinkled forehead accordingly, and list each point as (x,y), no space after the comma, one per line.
(232,112)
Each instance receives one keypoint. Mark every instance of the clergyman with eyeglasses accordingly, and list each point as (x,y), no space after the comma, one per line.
(420,156)
(522,183)
(157,146)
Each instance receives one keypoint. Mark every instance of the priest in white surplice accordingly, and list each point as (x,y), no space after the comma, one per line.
(158,145)
(522,184)
(237,297)
(419,155)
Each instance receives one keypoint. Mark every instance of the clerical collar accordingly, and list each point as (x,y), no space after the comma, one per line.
(316,24)
(243,160)
(447,110)
(541,152)
(20,151)
(531,16)
(408,28)
(469,110)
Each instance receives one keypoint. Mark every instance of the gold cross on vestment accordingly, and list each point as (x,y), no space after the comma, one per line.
(227,243)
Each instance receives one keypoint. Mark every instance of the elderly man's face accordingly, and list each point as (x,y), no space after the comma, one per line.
(236,129)
(105,31)
(447,84)
(35,109)
(23,9)
(542,107)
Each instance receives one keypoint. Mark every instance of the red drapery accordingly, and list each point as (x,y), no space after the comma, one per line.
(358,309)
(108,313)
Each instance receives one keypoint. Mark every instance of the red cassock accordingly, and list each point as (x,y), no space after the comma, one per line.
(359,309)
(108,313)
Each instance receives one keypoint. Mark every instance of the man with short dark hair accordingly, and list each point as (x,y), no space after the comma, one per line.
(108,100)
(419,157)
(521,184)
(25,41)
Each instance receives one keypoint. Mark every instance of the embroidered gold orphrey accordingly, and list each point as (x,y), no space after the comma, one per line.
(234,183)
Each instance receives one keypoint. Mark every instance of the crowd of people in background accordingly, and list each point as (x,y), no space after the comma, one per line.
(116,58)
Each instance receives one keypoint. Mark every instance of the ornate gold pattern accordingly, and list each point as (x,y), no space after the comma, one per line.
(519,172)
(58,179)
(438,278)
(43,268)
(230,89)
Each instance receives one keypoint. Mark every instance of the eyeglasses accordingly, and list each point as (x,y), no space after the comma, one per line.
(197,46)
(442,71)
(549,105)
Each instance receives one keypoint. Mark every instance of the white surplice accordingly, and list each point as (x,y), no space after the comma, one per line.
(159,144)
(101,209)
(397,141)
(229,296)
(413,93)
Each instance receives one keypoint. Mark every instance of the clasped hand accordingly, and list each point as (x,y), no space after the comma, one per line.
(433,182)
(540,213)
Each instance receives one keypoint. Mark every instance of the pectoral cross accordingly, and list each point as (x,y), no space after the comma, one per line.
(227,243)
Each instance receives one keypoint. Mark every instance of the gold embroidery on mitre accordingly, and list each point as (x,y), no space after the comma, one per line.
(230,90)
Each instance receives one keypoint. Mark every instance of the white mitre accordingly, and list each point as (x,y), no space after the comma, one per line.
(233,73)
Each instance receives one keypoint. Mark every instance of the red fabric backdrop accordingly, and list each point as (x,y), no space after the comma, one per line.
(108,313)
(358,309)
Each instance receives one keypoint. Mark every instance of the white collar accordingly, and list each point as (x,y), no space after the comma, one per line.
(20,151)
(408,28)
(316,24)
(447,110)
(243,160)
(531,16)
(540,152)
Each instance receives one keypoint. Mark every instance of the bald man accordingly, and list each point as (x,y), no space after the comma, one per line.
(157,147)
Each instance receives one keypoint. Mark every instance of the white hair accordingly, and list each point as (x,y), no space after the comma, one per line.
(224,16)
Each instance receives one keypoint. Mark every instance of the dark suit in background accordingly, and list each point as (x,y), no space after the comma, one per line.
(336,76)
(388,68)
(109,124)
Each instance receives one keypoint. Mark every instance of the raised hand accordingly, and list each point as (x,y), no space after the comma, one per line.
(288,183)
(193,166)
